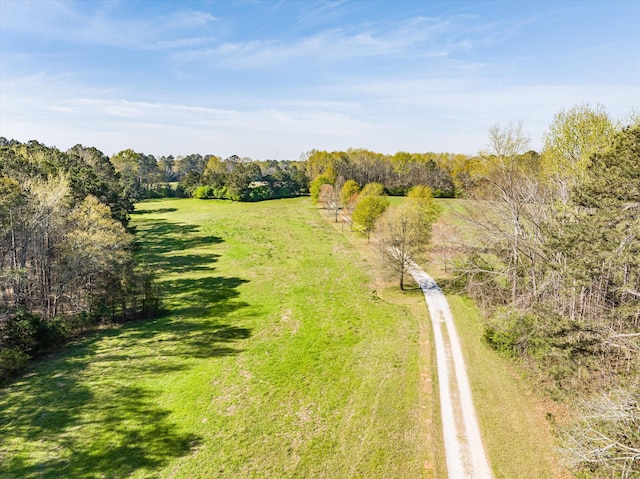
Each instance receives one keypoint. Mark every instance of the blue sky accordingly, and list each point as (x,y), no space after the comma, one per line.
(273,79)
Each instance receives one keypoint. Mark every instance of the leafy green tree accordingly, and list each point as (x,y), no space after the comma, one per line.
(185,164)
(240,179)
(372,189)
(10,196)
(166,168)
(94,245)
(601,235)
(574,136)
(139,171)
(421,198)
(127,163)
(150,174)
(316,185)
(367,212)
(349,194)
(96,176)
(319,163)
(49,204)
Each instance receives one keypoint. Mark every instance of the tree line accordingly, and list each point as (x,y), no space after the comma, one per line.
(66,251)
(245,179)
(248,180)
(401,233)
(557,268)
(209,176)
(397,173)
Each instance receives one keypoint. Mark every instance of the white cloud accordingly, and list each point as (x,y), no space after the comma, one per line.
(416,38)
(421,83)
(269,130)
(184,42)
(187,19)
(102,23)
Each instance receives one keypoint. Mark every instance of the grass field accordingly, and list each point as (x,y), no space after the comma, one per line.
(281,355)
(276,358)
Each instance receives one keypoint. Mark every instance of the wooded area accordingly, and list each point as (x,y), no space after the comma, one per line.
(442,172)
(65,250)
(557,268)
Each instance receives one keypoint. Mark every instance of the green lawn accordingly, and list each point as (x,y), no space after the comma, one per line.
(275,359)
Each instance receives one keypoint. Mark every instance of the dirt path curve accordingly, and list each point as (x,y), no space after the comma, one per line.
(466,457)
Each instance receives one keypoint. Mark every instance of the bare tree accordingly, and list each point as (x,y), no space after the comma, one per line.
(334,197)
(513,206)
(606,440)
(326,193)
(402,235)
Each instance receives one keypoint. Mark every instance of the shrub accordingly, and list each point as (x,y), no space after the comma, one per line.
(397,190)
(12,360)
(204,192)
(51,333)
(18,331)
(438,193)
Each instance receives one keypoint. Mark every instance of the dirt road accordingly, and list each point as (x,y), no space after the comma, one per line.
(465,454)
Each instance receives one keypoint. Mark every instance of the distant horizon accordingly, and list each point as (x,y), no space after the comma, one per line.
(274,80)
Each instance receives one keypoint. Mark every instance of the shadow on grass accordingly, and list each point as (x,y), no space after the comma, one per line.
(83,413)
(162,245)
(128,433)
(156,211)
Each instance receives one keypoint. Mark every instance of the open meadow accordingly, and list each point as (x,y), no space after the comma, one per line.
(337,239)
(282,353)
(275,358)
